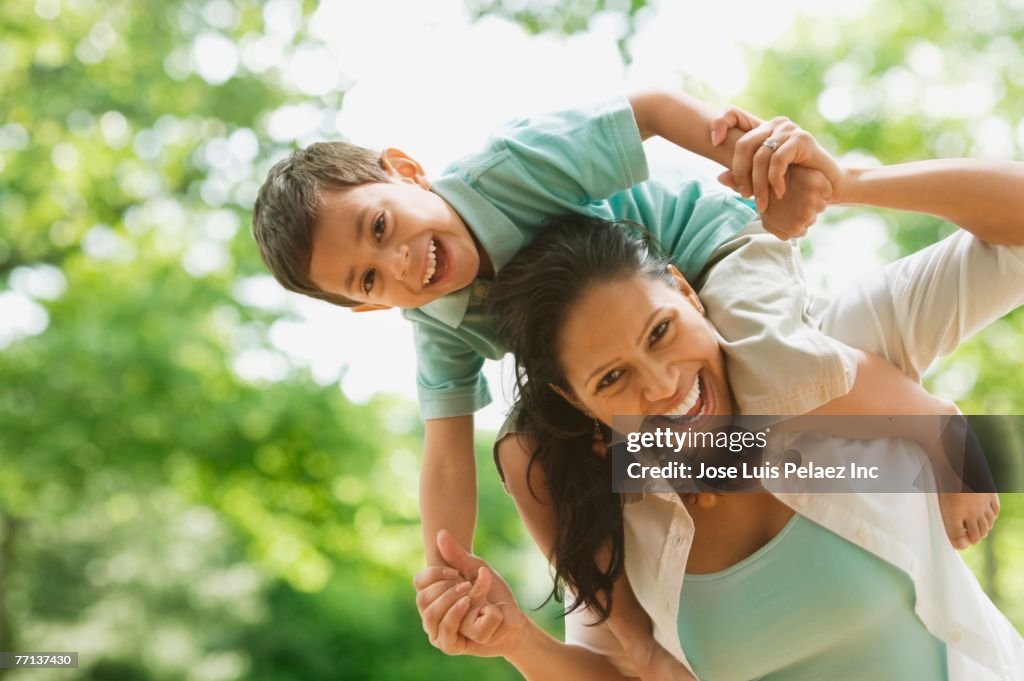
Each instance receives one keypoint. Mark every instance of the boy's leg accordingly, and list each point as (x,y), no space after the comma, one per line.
(922,306)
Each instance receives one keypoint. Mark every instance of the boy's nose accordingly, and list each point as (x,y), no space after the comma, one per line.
(400,262)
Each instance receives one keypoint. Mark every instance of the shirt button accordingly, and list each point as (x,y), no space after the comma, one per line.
(955,636)
(863,534)
(677,540)
(480,290)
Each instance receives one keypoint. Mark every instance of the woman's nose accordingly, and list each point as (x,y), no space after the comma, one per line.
(660,382)
(400,262)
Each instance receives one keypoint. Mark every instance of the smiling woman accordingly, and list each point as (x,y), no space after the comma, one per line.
(610,329)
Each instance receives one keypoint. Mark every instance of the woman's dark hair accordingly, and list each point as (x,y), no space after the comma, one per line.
(532,298)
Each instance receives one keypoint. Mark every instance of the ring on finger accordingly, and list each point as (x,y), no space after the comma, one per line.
(771,143)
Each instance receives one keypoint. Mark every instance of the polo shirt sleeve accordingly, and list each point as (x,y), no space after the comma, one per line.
(576,156)
(448,377)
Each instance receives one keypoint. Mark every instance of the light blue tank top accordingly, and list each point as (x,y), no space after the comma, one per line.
(807,605)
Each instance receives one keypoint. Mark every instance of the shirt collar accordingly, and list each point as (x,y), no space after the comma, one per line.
(498,236)
(449,309)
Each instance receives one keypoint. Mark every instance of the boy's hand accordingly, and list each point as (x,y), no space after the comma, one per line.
(791,216)
(761,159)
(467,608)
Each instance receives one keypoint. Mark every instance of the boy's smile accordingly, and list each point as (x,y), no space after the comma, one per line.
(391,243)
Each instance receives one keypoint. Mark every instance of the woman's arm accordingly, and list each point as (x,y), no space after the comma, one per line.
(497,625)
(984,197)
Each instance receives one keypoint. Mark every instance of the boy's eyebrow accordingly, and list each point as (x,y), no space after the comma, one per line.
(359,237)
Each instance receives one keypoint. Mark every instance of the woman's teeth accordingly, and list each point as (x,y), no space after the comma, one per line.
(689,402)
(431,262)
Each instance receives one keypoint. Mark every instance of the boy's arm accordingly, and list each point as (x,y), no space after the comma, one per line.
(686,122)
(500,627)
(448,483)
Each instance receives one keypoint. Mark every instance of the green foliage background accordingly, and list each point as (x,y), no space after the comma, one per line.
(170,520)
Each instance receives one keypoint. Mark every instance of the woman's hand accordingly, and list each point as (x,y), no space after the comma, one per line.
(467,608)
(761,160)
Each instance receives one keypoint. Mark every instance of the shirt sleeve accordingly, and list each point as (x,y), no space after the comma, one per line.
(448,377)
(570,157)
(779,361)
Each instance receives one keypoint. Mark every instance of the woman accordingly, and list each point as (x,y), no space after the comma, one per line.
(613,333)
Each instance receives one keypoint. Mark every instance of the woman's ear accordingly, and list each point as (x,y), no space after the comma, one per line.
(686,289)
(401,166)
(570,398)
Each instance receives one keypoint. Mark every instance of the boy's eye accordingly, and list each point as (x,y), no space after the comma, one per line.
(378,227)
(368,281)
(659,331)
(609,379)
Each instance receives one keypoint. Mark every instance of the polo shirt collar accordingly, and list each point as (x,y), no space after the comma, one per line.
(499,237)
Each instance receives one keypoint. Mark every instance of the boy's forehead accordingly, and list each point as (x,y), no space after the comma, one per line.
(343,203)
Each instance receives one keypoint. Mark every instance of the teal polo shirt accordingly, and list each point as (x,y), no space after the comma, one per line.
(589,161)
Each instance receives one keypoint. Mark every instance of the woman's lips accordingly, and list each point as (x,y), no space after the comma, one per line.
(700,411)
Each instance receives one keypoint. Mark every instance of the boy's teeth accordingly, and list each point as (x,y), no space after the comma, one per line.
(431,263)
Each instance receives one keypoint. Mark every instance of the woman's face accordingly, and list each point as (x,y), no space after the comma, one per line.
(636,346)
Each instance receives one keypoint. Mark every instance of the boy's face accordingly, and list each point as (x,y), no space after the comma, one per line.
(391,243)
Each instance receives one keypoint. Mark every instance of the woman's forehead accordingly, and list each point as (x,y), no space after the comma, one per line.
(609,318)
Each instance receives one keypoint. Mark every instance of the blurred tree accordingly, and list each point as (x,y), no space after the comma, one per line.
(163,510)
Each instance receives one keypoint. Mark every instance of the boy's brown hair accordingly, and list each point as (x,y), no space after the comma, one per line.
(285,209)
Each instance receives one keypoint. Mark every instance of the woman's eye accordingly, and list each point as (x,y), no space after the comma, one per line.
(378,228)
(368,281)
(659,331)
(609,379)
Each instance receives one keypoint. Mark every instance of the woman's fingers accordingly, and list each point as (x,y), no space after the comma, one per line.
(481,586)
(743,158)
(435,612)
(448,639)
(434,573)
(431,592)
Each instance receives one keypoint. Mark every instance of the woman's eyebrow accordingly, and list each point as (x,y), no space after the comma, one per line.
(600,369)
(647,324)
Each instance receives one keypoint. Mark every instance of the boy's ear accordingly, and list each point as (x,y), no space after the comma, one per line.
(569,397)
(685,288)
(403,167)
(369,307)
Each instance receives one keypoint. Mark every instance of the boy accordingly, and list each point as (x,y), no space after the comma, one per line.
(370,231)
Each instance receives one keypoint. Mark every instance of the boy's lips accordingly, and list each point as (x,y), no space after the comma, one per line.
(436,260)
